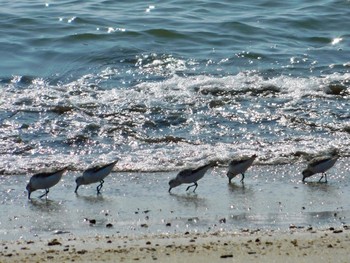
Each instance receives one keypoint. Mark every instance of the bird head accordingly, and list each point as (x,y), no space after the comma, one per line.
(173,183)
(30,189)
(306,173)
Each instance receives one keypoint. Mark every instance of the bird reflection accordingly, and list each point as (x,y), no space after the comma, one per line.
(237,188)
(242,194)
(190,199)
(318,186)
(45,205)
(91,199)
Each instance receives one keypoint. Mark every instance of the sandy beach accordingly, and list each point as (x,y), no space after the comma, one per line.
(294,245)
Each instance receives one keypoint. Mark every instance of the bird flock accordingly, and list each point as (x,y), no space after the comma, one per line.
(97,174)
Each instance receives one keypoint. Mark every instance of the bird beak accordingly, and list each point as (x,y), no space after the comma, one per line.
(169,189)
(29,192)
(76,189)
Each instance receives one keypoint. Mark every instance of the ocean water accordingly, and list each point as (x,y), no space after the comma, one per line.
(168,85)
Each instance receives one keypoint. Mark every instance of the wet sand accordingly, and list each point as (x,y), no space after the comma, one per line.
(294,245)
(273,217)
(271,198)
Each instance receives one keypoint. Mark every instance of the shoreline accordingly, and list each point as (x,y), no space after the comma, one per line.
(273,217)
(295,245)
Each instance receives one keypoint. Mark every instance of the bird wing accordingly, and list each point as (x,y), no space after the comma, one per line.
(189,172)
(99,167)
(42,175)
(185,173)
(317,161)
(238,161)
(48,174)
(201,168)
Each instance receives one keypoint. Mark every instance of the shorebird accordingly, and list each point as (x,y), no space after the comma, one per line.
(44,181)
(94,175)
(188,176)
(239,166)
(319,165)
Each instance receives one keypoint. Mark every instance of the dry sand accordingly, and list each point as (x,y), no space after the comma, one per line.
(296,245)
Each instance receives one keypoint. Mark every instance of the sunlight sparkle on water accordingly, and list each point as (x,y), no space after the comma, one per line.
(150,8)
(337,40)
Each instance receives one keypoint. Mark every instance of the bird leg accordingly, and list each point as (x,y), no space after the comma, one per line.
(242,178)
(46,192)
(100,186)
(195,184)
(320,178)
(325,176)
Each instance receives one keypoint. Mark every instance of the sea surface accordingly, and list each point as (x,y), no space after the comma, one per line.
(167,85)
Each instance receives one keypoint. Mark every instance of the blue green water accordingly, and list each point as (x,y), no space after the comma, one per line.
(91,80)
(164,85)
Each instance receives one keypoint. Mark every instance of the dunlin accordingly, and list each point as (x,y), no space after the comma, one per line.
(94,175)
(44,181)
(190,176)
(239,166)
(319,165)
